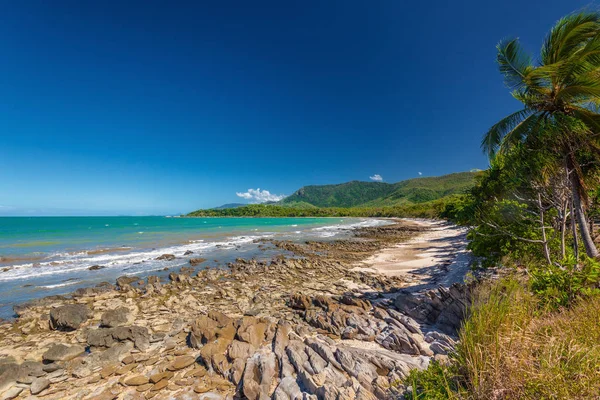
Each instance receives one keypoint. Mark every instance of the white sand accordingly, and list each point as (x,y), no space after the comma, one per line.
(438,252)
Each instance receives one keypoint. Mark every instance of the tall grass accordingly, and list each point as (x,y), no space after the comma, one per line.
(510,348)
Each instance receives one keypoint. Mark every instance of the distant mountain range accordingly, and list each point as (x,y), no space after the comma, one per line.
(230,205)
(376,194)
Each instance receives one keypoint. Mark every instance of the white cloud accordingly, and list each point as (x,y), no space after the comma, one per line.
(260,196)
(420,173)
(376,178)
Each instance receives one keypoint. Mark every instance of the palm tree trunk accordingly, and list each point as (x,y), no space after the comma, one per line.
(584,229)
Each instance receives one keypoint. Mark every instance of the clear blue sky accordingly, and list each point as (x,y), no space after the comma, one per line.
(165,107)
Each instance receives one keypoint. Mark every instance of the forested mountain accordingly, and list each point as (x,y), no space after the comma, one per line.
(375,194)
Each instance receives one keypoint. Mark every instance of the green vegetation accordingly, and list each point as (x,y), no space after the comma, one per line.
(431,209)
(420,197)
(510,348)
(377,194)
(536,333)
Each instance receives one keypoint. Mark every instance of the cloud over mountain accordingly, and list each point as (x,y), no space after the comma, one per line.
(260,196)
(376,178)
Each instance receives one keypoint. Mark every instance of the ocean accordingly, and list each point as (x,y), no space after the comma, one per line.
(43,256)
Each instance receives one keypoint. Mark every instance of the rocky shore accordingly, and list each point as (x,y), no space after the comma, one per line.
(304,326)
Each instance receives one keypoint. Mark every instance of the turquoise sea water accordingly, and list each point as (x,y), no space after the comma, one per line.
(41,256)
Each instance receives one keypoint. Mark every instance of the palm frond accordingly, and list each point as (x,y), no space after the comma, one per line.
(514,63)
(569,35)
(588,117)
(494,137)
(524,130)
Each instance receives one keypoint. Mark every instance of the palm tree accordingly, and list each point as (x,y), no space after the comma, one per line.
(561,98)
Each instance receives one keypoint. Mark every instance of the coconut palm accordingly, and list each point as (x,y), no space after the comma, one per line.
(561,98)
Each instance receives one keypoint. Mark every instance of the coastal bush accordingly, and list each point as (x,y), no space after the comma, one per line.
(513,347)
(558,286)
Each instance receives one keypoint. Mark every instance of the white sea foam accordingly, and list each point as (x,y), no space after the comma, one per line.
(140,261)
(59,285)
(333,230)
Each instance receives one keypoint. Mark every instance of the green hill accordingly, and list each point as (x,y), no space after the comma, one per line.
(377,194)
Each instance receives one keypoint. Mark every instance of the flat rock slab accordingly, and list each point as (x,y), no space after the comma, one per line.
(63,352)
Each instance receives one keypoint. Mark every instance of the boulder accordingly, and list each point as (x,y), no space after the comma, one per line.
(251,330)
(300,301)
(8,376)
(125,281)
(209,327)
(106,337)
(62,352)
(69,317)
(114,318)
(241,350)
(196,261)
(166,257)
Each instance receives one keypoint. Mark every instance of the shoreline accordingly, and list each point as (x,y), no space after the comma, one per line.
(312,305)
(64,271)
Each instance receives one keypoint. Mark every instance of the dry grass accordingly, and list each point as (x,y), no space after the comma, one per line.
(511,350)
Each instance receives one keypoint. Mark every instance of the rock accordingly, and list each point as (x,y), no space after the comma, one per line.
(32,368)
(96,267)
(11,393)
(196,261)
(160,385)
(136,380)
(63,352)
(287,389)
(202,331)
(143,388)
(8,376)
(444,308)
(239,349)
(116,317)
(108,371)
(207,328)
(69,317)
(181,363)
(214,349)
(106,337)
(161,376)
(252,331)
(124,282)
(188,252)
(300,301)
(166,257)
(39,384)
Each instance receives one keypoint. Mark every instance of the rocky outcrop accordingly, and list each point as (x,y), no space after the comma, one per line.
(196,261)
(117,317)
(106,337)
(62,352)
(69,317)
(288,328)
(444,308)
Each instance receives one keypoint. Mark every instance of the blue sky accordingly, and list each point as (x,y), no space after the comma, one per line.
(166,107)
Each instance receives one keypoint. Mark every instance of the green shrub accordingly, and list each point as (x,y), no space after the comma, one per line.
(559,286)
(437,382)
